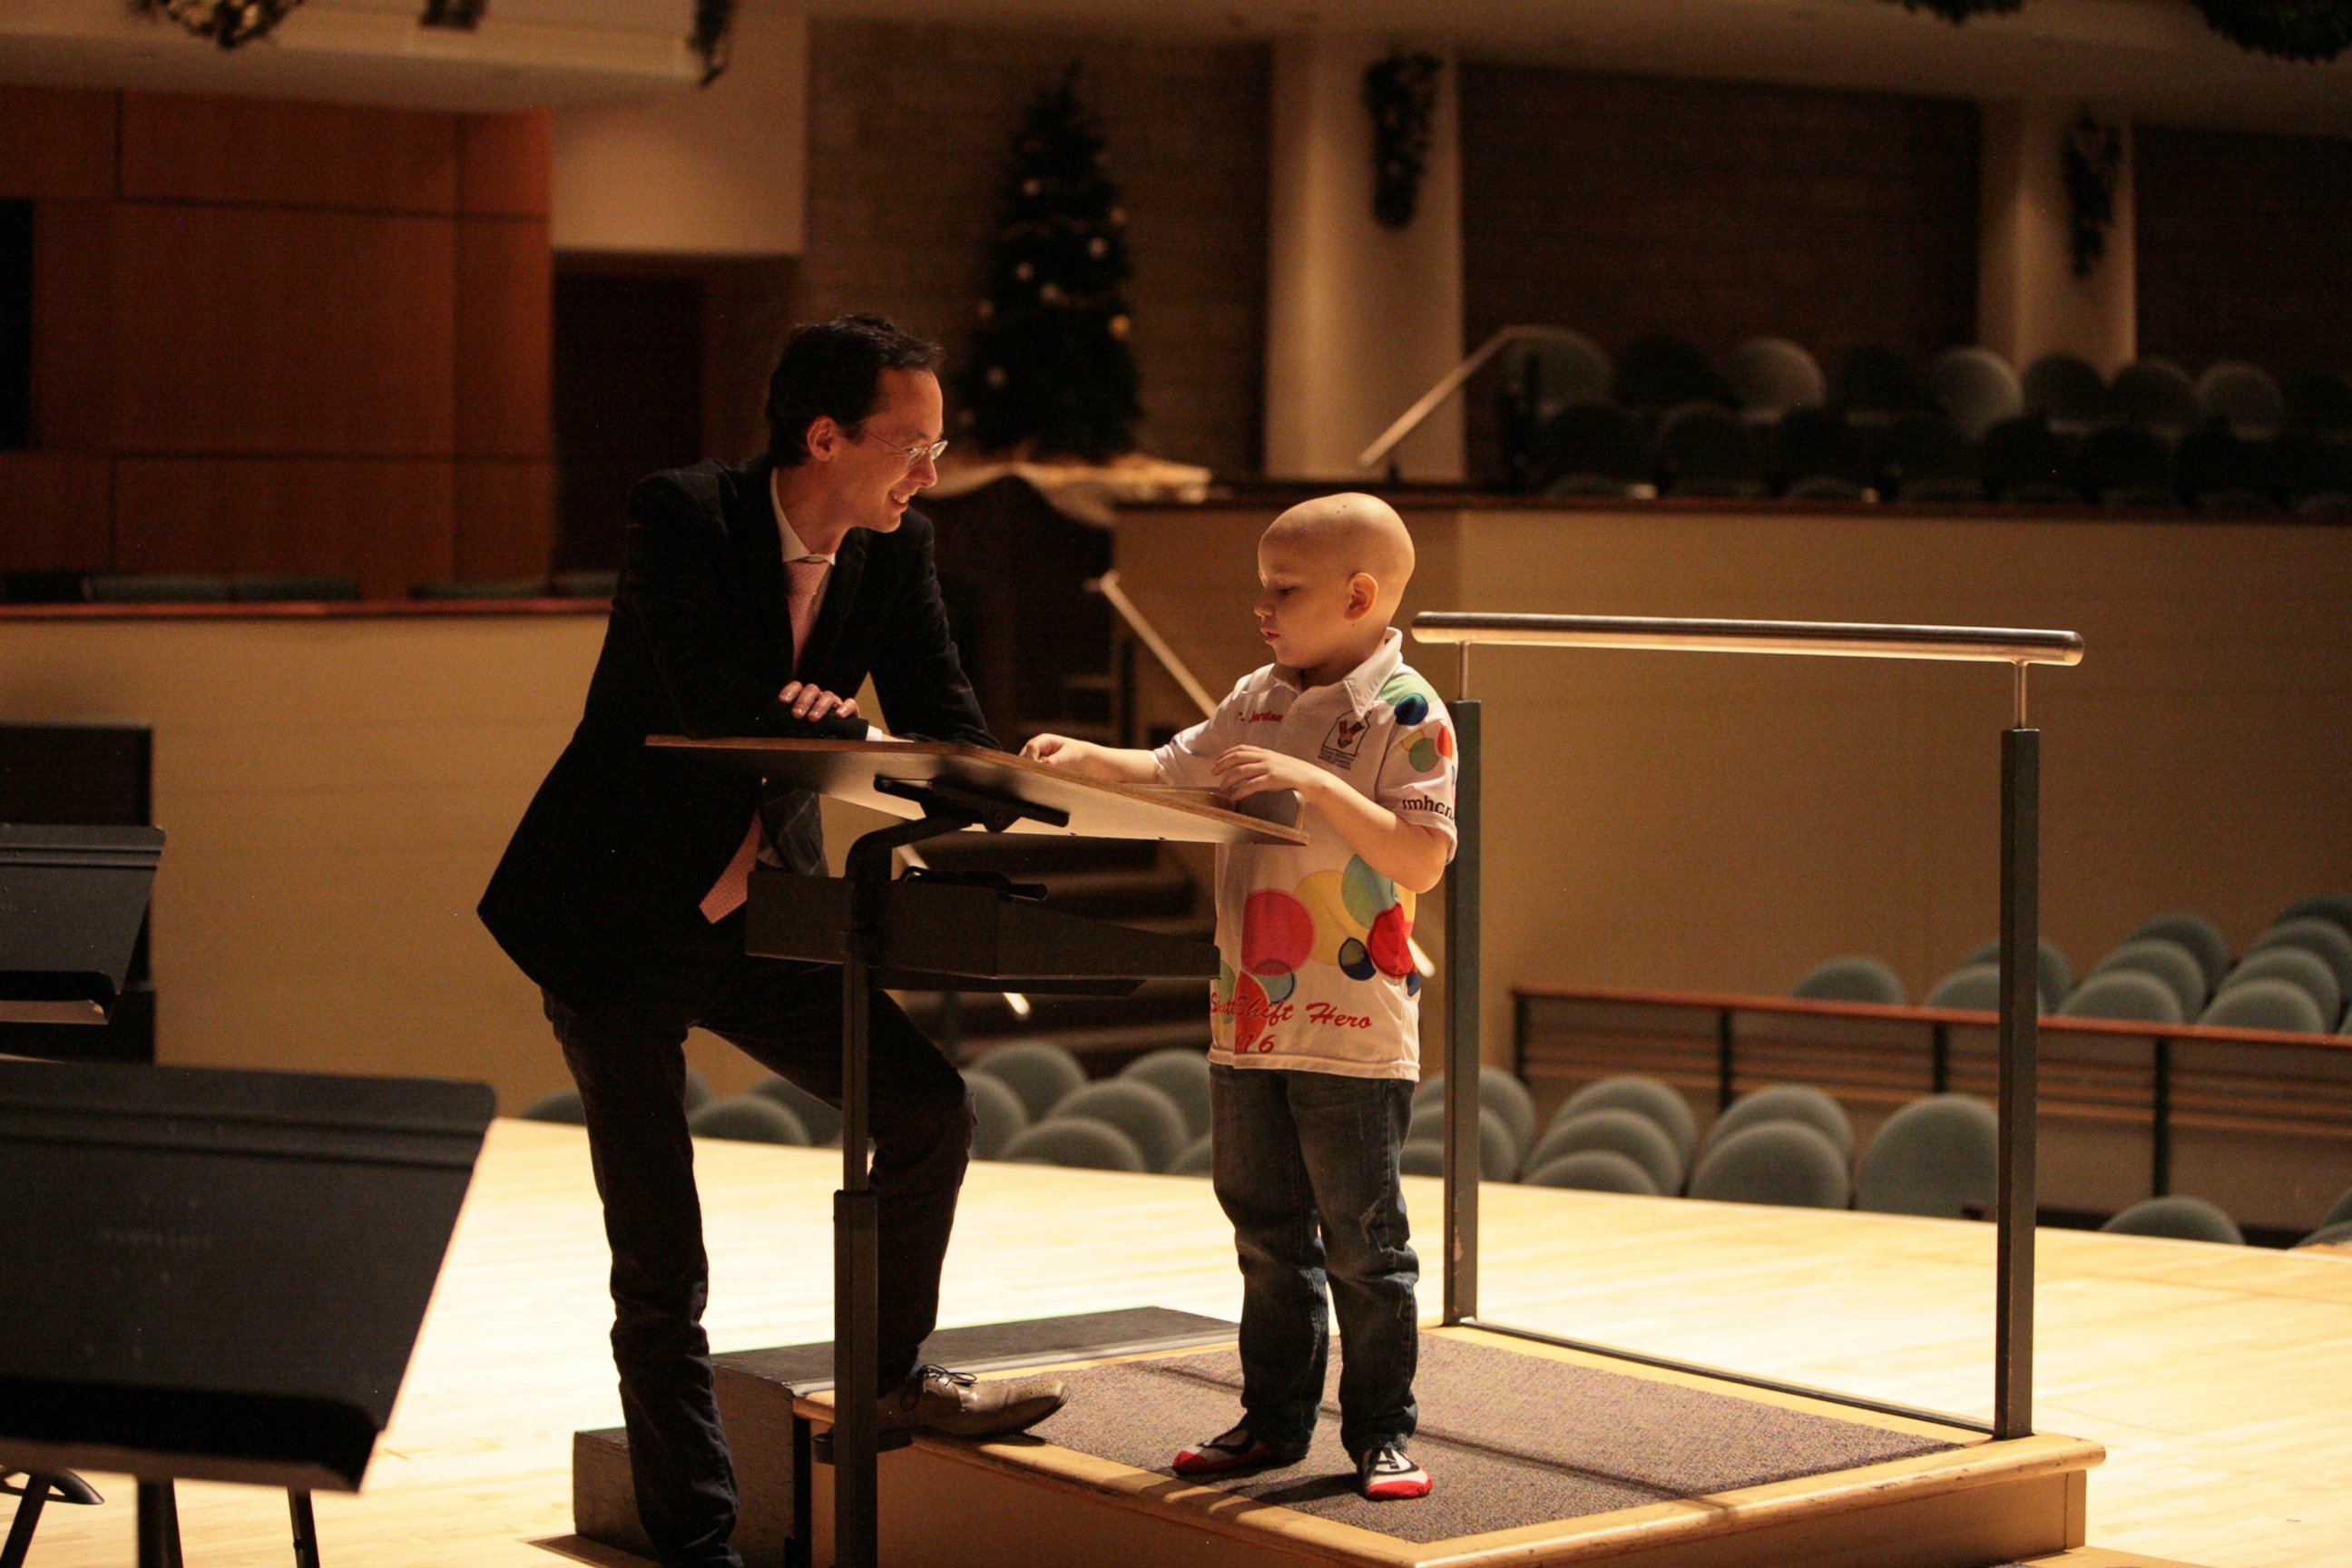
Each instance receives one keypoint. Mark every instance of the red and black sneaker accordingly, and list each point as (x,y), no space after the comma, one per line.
(1387,1474)
(1234,1450)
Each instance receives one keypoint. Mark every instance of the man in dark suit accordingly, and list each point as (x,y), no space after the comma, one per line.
(752,600)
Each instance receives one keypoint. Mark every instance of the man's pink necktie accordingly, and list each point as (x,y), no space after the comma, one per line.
(805,581)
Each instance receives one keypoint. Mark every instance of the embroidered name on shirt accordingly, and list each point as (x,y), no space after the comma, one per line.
(1268,717)
(1347,737)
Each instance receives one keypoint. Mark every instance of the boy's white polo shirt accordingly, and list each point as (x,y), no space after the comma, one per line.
(1318,969)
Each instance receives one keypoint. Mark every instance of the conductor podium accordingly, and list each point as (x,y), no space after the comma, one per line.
(938,934)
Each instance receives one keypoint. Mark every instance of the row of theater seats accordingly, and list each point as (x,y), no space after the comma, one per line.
(149,588)
(2174,968)
(1788,1144)
(1664,419)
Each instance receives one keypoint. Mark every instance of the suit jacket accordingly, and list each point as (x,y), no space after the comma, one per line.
(598,895)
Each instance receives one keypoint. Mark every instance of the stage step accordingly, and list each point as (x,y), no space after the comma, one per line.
(1945,1498)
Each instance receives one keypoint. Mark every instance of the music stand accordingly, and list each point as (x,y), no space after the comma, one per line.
(222,1273)
(940,788)
(72,902)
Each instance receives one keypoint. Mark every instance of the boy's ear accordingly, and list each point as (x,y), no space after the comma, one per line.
(1363,593)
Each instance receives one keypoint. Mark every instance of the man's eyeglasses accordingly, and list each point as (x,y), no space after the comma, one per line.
(913,455)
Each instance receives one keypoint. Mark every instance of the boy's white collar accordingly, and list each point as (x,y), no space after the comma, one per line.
(1363,683)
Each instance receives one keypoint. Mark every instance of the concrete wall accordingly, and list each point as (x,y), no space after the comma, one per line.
(1726,823)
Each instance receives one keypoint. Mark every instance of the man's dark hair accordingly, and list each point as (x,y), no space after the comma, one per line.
(834,370)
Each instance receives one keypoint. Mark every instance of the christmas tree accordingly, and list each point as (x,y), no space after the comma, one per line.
(1050,372)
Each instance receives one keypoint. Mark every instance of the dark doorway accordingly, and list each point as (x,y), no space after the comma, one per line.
(15,325)
(628,400)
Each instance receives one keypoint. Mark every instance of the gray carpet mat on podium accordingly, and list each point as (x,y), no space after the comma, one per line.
(1509,1439)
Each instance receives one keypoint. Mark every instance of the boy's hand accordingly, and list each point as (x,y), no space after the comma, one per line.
(1246,771)
(1059,751)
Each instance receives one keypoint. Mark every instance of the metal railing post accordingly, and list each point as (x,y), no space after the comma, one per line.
(2020,1007)
(1463,1025)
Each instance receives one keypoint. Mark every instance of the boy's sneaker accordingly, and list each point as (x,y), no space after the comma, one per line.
(1234,1450)
(1387,1473)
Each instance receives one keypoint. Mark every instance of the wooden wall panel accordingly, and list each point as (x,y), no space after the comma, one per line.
(387,523)
(53,513)
(248,329)
(73,243)
(506,282)
(505,519)
(57,144)
(177,146)
(505,164)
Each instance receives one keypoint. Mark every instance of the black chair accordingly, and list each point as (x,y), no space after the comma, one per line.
(153,588)
(2025,460)
(1771,376)
(2319,401)
(2218,467)
(1705,450)
(1976,388)
(2318,471)
(1657,372)
(1591,449)
(2245,396)
(2122,465)
(1928,458)
(293,589)
(2155,395)
(2065,390)
(1874,384)
(1818,455)
(508,588)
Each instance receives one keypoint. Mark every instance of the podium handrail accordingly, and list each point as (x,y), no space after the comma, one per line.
(1848,639)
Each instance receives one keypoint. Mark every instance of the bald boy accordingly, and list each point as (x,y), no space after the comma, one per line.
(1315,1021)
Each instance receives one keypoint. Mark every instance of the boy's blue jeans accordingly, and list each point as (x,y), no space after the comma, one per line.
(1306,1170)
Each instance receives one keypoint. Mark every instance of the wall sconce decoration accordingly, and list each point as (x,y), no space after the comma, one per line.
(458,16)
(1401,92)
(713,38)
(2094,163)
(228,22)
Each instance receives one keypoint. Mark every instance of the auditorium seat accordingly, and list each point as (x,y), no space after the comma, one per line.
(1595,1171)
(1626,1133)
(2166,959)
(1705,450)
(1421,1157)
(149,588)
(1181,1073)
(2314,934)
(1499,1092)
(563,1105)
(1783,1163)
(997,1116)
(2297,966)
(266,590)
(1498,1152)
(1816,454)
(1148,1117)
(2026,461)
(2244,396)
(1199,1159)
(2218,469)
(1658,371)
(2121,465)
(1852,977)
(1928,458)
(1553,368)
(1972,985)
(1591,449)
(1661,1102)
(1771,376)
(1938,1156)
(2194,931)
(2334,907)
(823,1122)
(2340,1211)
(2067,391)
(2126,994)
(2316,472)
(504,588)
(2053,977)
(1039,1071)
(2336,1235)
(1872,384)
(2179,1217)
(585,585)
(1977,388)
(2279,1005)
(747,1118)
(2155,395)
(2318,401)
(1795,1103)
(1079,1145)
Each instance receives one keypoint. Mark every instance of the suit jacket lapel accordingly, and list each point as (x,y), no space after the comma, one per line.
(760,554)
(840,599)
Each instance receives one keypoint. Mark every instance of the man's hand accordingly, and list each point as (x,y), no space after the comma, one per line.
(1246,771)
(809,700)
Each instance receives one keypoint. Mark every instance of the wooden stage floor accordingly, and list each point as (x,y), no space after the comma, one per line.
(2219,1379)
